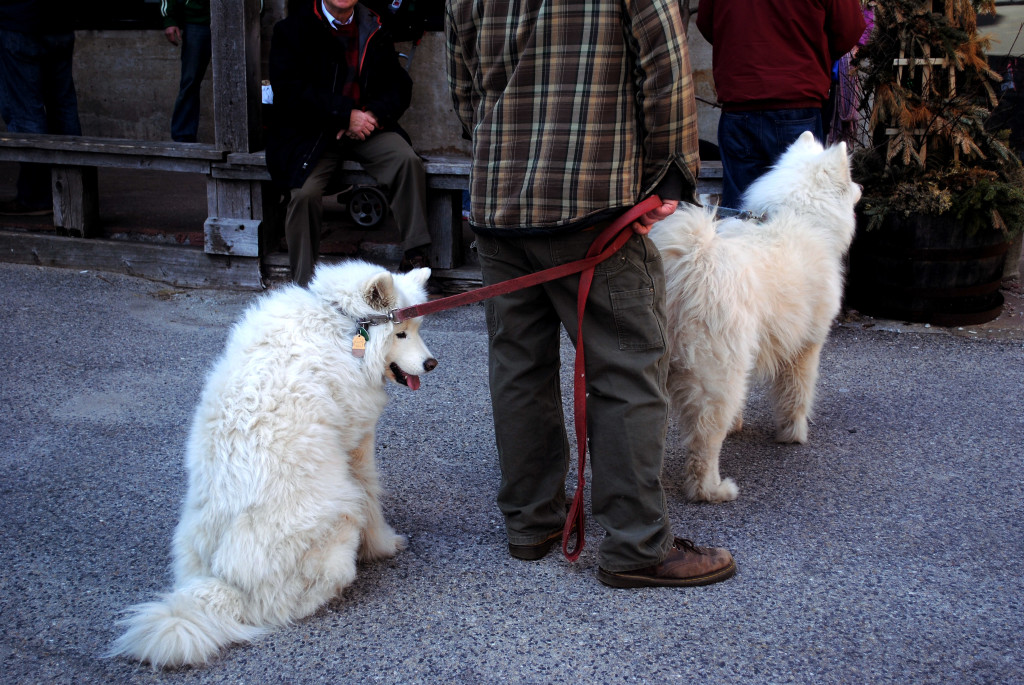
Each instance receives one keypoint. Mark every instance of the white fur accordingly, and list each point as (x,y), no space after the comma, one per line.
(748,299)
(283,490)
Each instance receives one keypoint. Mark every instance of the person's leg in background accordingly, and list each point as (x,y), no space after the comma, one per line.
(195,59)
(751,142)
(787,125)
(304,219)
(58,89)
(743,155)
(399,170)
(22,61)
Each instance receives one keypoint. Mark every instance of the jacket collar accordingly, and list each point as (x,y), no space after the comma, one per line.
(366,19)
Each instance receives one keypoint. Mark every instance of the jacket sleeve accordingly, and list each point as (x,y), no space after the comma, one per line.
(171,11)
(460,81)
(664,85)
(845,25)
(388,89)
(706,19)
(296,93)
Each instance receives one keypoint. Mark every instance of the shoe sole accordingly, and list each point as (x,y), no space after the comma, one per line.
(624,580)
(534,552)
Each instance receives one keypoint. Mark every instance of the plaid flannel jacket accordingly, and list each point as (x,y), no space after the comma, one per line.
(574,107)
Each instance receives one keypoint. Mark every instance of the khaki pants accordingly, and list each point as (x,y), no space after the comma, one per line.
(399,171)
(626,370)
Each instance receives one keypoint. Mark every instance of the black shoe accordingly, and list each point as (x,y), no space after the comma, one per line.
(537,550)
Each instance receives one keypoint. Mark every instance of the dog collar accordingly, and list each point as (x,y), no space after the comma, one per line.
(362,335)
(741,214)
(377,319)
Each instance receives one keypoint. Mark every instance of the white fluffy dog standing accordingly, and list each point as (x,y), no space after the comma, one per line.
(283,489)
(755,299)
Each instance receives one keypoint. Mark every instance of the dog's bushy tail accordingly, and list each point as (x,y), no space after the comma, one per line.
(187,627)
(687,233)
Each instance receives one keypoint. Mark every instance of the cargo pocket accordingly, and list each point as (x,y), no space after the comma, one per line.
(487,248)
(634,276)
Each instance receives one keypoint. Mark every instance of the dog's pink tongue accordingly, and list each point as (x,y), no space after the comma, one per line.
(413,382)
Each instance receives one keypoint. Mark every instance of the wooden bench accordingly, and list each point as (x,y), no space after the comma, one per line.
(447,178)
(74,160)
(238,198)
(242,210)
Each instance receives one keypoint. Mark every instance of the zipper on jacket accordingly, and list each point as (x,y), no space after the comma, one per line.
(366,49)
(305,162)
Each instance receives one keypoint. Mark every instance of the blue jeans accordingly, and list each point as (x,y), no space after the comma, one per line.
(195,58)
(37,95)
(750,142)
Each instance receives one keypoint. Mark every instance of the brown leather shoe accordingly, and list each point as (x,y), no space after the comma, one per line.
(686,565)
(537,550)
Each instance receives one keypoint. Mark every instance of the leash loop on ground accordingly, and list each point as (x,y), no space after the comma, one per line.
(610,240)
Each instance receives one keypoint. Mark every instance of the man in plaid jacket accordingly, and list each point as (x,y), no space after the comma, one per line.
(576,112)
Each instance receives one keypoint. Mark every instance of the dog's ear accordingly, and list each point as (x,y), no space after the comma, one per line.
(840,160)
(420,276)
(835,164)
(807,139)
(379,292)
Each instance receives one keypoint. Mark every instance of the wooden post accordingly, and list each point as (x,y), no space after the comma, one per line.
(235,206)
(75,201)
(444,216)
(235,31)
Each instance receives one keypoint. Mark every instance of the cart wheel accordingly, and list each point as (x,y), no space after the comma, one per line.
(367,206)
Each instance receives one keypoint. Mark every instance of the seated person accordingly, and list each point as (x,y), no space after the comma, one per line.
(339,90)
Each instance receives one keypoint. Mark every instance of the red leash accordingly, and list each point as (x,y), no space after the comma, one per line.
(606,244)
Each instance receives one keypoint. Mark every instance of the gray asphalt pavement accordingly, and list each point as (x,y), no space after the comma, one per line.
(889,549)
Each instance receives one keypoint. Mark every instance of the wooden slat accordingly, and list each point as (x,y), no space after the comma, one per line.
(229,236)
(118,161)
(108,152)
(934,61)
(236,215)
(109,146)
(174,264)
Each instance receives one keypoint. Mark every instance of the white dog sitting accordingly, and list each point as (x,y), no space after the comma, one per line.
(283,489)
(750,298)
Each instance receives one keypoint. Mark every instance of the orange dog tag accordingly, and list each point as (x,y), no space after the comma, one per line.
(359,344)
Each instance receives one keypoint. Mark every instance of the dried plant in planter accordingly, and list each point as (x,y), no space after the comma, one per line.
(928,94)
(942,191)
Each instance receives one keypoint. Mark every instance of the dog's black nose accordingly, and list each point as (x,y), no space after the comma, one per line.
(430,364)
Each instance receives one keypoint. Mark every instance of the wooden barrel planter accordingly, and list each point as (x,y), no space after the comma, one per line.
(926,269)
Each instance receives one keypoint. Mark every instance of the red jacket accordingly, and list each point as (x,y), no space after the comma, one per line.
(770,54)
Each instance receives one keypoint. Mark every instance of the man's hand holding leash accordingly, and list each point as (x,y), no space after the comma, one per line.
(642,226)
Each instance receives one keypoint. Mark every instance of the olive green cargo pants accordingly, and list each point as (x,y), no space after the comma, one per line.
(626,367)
(397,168)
